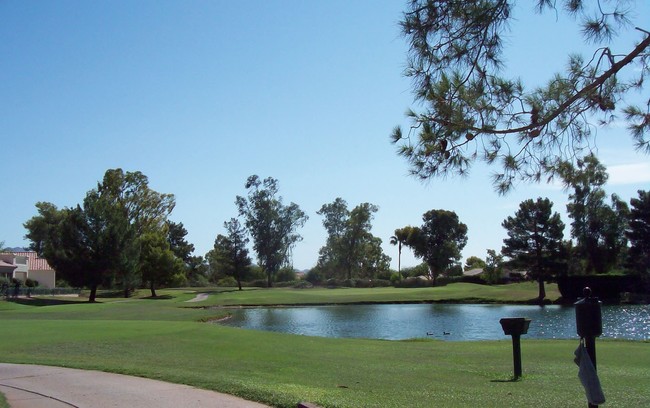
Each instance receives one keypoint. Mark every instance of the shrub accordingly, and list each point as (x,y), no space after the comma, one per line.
(415,271)
(455,270)
(253,273)
(62,283)
(394,278)
(30,283)
(302,284)
(444,280)
(386,274)
(258,283)
(200,281)
(332,283)
(364,283)
(381,283)
(228,282)
(413,282)
(349,283)
(297,284)
(471,279)
(337,283)
(285,284)
(606,287)
(285,275)
(314,276)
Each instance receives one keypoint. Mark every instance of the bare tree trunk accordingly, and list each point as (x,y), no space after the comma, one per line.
(399,259)
(542,291)
(93,293)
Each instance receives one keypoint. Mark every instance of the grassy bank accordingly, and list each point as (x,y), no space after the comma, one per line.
(458,293)
(162,339)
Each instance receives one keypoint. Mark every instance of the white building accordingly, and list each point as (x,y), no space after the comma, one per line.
(27,265)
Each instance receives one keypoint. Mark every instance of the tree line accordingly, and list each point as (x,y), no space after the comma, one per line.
(120,236)
(605,237)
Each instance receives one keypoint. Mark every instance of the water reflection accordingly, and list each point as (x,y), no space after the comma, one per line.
(441,321)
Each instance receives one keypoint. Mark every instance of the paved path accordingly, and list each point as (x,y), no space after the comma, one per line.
(198,298)
(32,386)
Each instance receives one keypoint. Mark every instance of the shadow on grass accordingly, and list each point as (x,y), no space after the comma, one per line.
(227,291)
(45,302)
(161,297)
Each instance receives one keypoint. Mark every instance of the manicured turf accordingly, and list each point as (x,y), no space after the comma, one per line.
(458,292)
(163,339)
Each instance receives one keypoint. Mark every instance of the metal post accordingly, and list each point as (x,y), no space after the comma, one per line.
(515,327)
(516,354)
(590,345)
(589,324)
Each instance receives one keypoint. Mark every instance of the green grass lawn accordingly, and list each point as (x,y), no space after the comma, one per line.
(164,339)
(458,292)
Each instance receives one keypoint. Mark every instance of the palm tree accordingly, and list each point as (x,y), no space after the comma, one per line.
(400,238)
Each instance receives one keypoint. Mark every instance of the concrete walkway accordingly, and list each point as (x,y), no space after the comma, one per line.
(198,298)
(33,386)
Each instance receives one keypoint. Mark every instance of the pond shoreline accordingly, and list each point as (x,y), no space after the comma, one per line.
(448,321)
(533,302)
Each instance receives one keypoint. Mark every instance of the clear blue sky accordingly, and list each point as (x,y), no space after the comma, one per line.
(199,95)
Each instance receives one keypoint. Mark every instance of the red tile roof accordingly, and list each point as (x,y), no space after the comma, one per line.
(7,265)
(34,263)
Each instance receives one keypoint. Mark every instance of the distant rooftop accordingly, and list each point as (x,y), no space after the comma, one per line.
(35,263)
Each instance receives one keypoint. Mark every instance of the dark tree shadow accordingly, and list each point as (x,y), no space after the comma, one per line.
(38,302)
(161,297)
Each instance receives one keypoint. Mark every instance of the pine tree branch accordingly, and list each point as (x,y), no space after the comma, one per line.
(565,105)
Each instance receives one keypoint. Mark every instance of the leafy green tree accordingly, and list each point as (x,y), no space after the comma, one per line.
(599,229)
(474,262)
(372,261)
(158,263)
(195,267)
(231,254)
(143,211)
(40,228)
(493,269)
(358,243)
(439,241)
(80,243)
(176,234)
(197,271)
(638,233)
(335,220)
(472,111)
(271,224)
(534,239)
(421,269)
(615,244)
(351,248)
(219,259)
(335,217)
(91,244)
(286,274)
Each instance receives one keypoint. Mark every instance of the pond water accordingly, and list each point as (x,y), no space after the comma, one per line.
(440,321)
